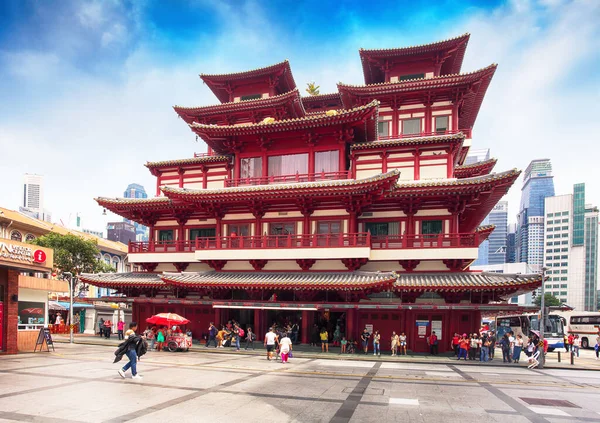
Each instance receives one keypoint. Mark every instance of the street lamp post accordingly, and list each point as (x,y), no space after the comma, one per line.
(70,276)
(542,358)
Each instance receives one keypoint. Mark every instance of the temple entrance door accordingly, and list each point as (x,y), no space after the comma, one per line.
(425,324)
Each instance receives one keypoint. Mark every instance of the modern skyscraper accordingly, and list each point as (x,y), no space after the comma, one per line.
(483,251)
(33,197)
(499,218)
(511,243)
(571,249)
(477,155)
(136,191)
(538,183)
(120,232)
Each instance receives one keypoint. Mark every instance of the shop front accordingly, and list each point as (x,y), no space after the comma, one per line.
(25,281)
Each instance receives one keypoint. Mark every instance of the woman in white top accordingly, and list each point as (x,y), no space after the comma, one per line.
(576,345)
(285,346)
(402,340)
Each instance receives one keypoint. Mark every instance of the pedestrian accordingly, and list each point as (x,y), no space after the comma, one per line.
(212,333)
(364,337)
(402,340)
(454,343)
(285,348)
(324,340)
(238,332)
(597,347)
(433,343)
(517,348)
(485,348)
(250,338)
(473,345)
(344,342)
(134,347)
(566,343)
(270,339)
(463,346)
(120,327)
(505,345)
(101,327)
(220,337)
(107,328)
(576,345)
(511,339)
(376,343)
(160,338)
(315,338)
(492,344)
(394,343)
(295,329)
(570,339)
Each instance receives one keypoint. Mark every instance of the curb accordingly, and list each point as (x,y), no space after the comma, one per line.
(355,357)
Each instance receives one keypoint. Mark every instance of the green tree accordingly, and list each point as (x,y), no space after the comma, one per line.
(74,254)
(312,88)
(549,300)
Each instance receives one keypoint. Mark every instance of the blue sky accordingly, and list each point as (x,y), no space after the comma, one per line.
(86,87)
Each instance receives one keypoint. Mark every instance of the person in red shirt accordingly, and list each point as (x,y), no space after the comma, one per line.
(433,343)
(120,327)
(570,339)
(454,344)
(463,347)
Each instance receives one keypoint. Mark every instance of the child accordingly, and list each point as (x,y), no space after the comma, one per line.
(343,342)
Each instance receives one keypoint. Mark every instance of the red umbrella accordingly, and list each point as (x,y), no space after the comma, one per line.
(167,319)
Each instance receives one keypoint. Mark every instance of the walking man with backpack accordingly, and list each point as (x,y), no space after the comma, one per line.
(133,347)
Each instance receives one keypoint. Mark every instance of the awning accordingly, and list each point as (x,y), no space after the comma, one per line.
(66,305)
(55,306)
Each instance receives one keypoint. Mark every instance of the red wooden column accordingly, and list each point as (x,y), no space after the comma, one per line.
(417,154)
(11,312)
(217,318)
(257,325)
(395,120)
(219,228)
(305,329)
(351,325)
(428,118)
(455,117)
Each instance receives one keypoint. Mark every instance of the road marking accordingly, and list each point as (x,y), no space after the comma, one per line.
(404,401)
(444,374)
(548,411)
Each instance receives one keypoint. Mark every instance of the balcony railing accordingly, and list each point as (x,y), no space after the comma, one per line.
(381,242)
(420,134)
(283,179)
(350,240)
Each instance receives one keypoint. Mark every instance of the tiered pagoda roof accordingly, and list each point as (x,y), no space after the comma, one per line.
(290,103)
(280,74)
(216,135)
(187,162)
(443,88)
(503,284)
(475,169)
(320,102)
(447,55)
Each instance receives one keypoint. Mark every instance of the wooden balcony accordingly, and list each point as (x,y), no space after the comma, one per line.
(285,179)
(421,134)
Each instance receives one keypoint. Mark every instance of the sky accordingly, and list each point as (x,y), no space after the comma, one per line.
(87,87)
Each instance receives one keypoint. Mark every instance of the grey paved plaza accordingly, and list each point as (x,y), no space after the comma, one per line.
(79,383)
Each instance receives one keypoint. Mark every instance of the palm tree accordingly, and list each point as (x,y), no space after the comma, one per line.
(312,89)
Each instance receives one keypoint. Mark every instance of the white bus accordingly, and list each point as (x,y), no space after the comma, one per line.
(586,324)
(523,324)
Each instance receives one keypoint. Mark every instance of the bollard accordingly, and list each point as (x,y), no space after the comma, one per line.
(559,356)
(572,357)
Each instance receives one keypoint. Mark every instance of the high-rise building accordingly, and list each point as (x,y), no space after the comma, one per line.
(483,251)
(499,218)
(511,243)
(538,183)
(120,232)
(477,155)
(33,197)
(571,249)
(137,191)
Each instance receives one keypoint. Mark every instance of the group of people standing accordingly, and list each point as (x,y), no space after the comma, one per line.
(230,334)
(397,342)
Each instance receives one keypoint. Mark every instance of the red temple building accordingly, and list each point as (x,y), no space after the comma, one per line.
(352,208)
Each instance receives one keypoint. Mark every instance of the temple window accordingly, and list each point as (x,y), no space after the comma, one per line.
(327,161)
(382,228)
(29,237)
(441,124)
(202,233)
(16,236)
(166,235)
(411,126)
(412,76)
(282,228)
(239,229)
(251,97)
(329,227)
(383,129)
(251,167)
(432,227)
(288,165)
